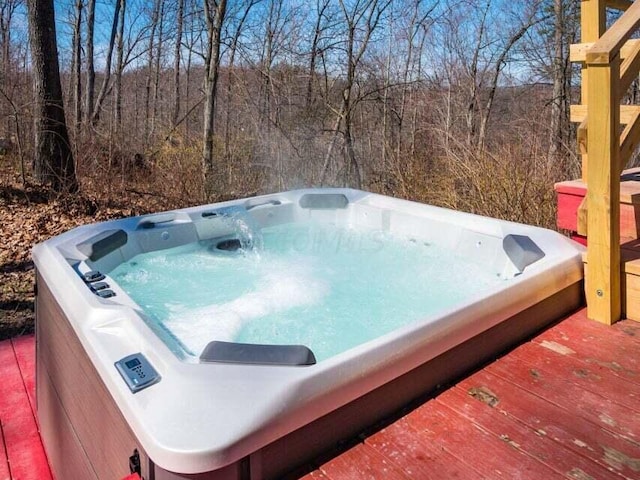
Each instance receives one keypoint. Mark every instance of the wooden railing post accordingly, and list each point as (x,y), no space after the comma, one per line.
(604,145)
(593,15)
(603,293)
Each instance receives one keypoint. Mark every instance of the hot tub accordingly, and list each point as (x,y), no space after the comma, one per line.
(240,340)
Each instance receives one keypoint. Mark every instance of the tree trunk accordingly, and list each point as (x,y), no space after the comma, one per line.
(321,7)
(176,65)
(500,62)
(187,93)
(104,89)
(6,14)
(91,72)
(473,106)
(214,13)
(351,171)
(76,71)
(119,65)
(156,70)
(362,18)
(147,90)
(53,163)
(232,59)
(559,82)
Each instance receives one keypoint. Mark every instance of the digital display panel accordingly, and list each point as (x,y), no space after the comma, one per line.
(132,363)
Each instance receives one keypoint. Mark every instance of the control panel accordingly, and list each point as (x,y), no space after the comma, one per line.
(137,372)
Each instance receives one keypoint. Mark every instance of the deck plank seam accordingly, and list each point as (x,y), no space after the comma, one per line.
(583,370)
(480,475)
(23,375)
(571,411)
(591,388)
(568,409)
(565,447)
(585,336)
(533,432)
(519,448)
(5,455)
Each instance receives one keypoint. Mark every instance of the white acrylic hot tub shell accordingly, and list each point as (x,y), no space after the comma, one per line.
(201,417)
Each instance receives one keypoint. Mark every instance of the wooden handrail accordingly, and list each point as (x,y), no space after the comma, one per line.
(630,68)
(629,140)
(609,45)
(578,113)
(578,51)
(619,4)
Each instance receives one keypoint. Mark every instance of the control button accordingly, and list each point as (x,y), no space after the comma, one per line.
(99,286)
(106,293)
(93,276)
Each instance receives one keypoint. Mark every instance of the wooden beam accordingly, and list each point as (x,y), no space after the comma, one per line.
(619,4)
(629,68)
(602,285)
(582,220)
(593,23)
(629,140)
(578,51)
(582,137)
(608,46)
(578,113)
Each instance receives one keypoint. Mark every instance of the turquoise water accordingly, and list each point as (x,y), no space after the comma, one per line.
(322,286)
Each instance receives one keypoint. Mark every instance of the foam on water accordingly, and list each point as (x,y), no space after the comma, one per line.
(284,288)
(325,287)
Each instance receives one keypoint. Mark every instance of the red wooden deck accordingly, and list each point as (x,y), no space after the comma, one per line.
(566,404)
(21,453)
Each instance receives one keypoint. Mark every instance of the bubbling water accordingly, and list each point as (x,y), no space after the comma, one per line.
(327,287)
(283,288)
(245,228)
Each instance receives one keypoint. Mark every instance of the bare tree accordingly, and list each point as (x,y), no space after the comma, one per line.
(531,19)
(318,31)
(106,85)
(361,20)
(214,11)
(8,9)
(564,25)
(91,72)
(53,163)
(418,24)
(155,16)
(119,64)
(177,55)
(156,69)
(242,18)
(77,68)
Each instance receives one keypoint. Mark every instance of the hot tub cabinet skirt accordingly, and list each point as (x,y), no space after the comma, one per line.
(86,436)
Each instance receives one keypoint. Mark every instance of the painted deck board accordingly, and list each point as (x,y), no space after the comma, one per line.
(564,405)
(576,336)
(364,463)
(5,474)
(417,455)
(469,444)
(561,424)
(25,454)
(522,437)
(589,376)
(593,407)
(25,351)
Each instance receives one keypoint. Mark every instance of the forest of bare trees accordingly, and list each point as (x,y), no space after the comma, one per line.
(461,103)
